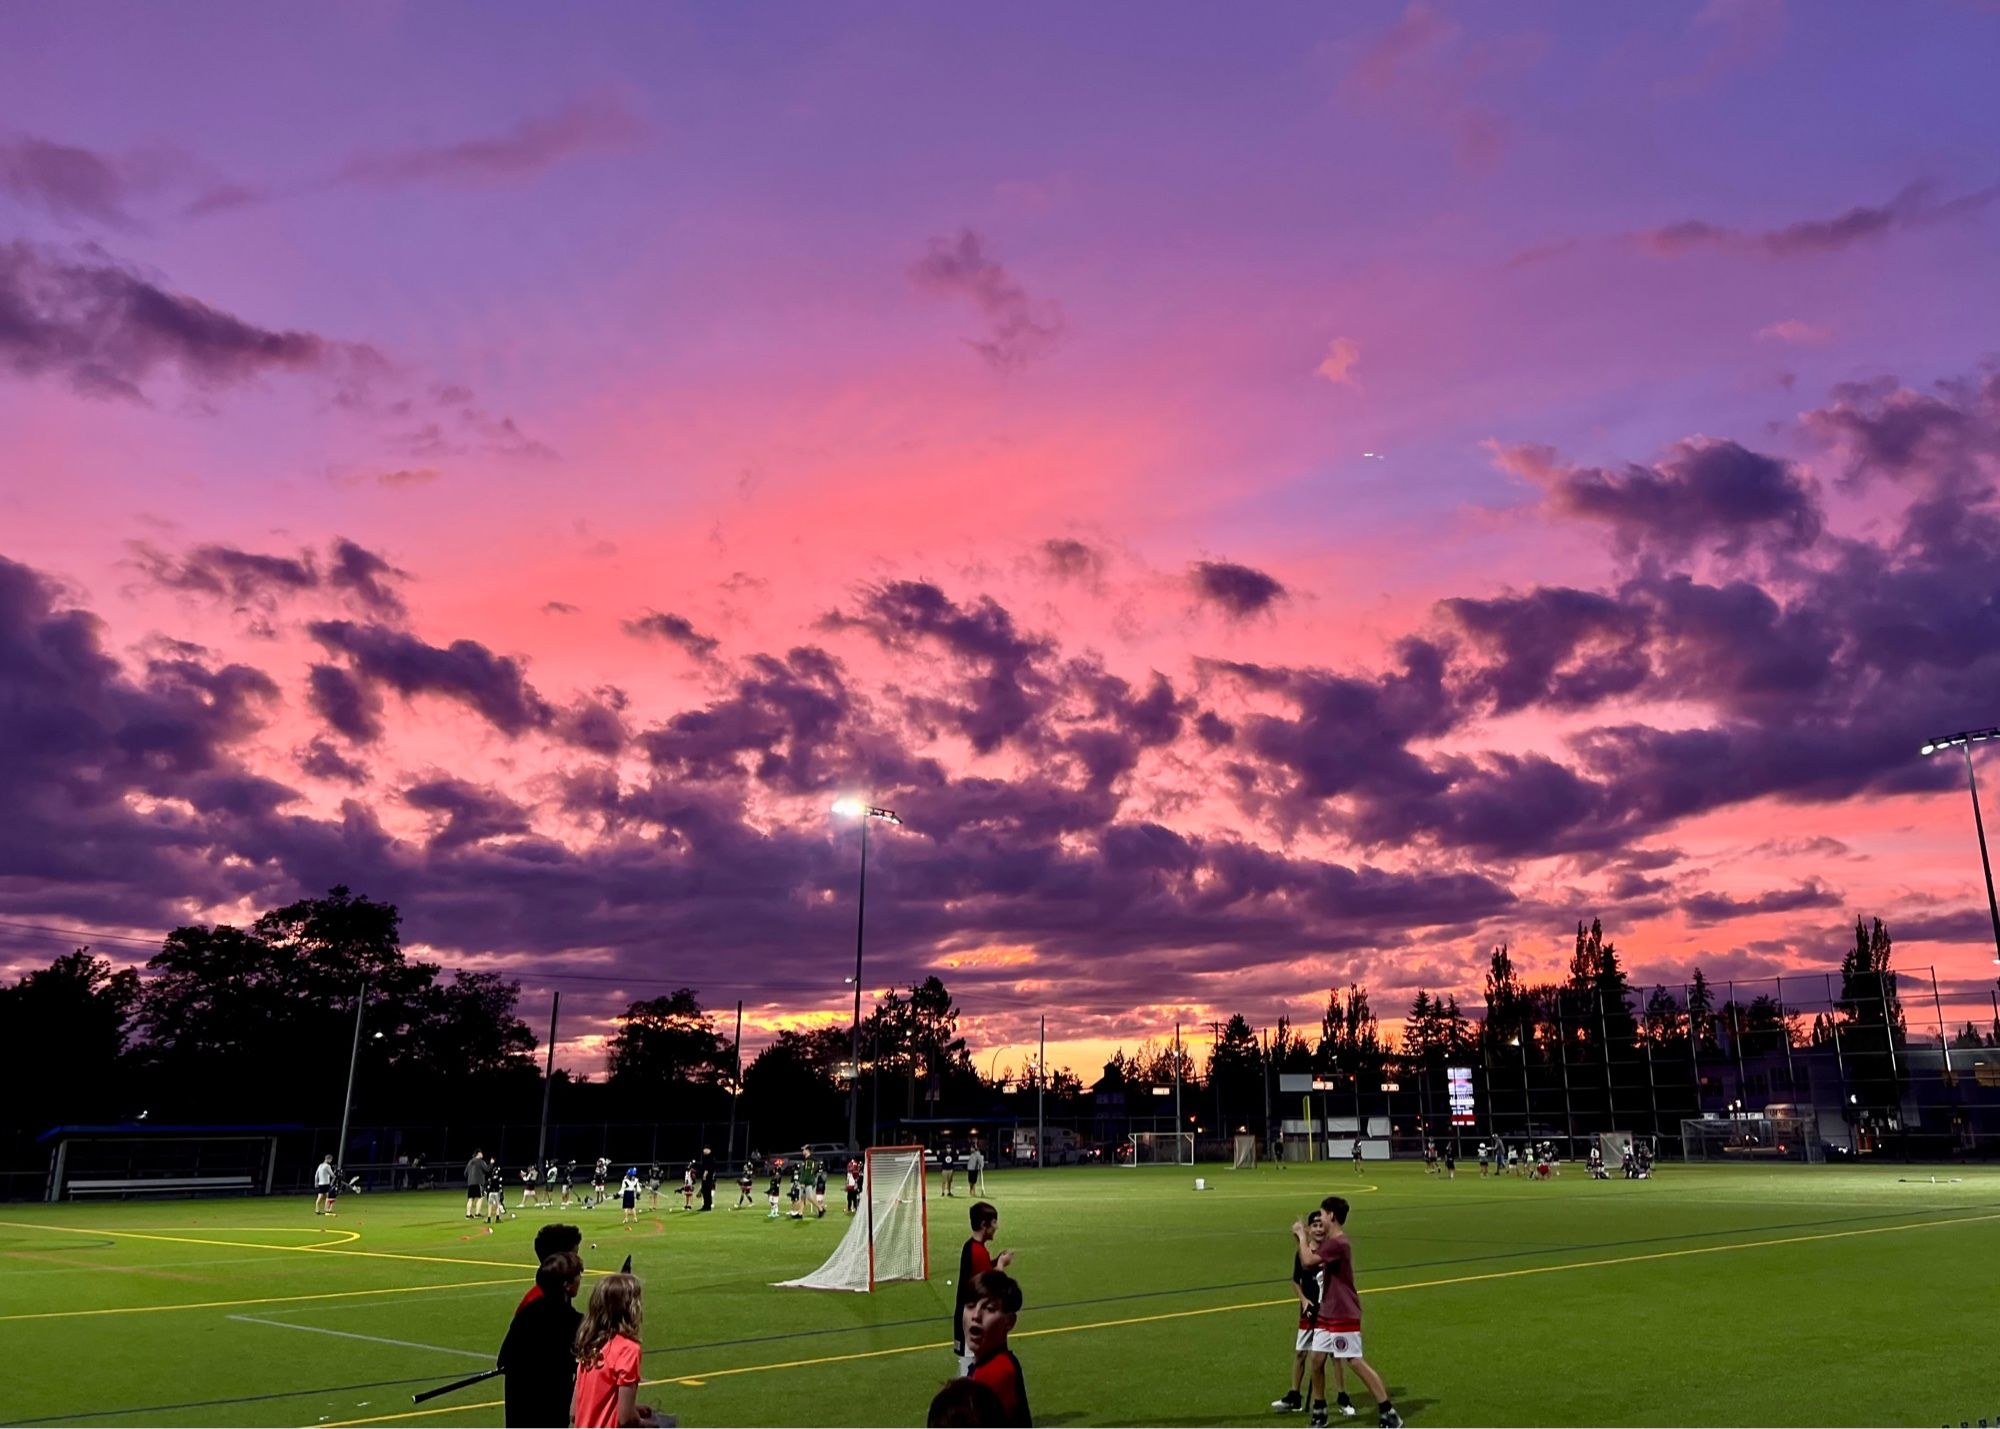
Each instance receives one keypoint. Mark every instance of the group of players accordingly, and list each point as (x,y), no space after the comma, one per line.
(800,1181)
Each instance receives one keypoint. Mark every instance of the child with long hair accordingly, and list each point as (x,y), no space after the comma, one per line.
(607,1360)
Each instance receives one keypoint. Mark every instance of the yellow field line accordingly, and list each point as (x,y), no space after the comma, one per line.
(258,1300)
(700,1375)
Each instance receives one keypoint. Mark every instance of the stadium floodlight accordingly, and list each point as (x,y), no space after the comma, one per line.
(1965,739)
(851,807)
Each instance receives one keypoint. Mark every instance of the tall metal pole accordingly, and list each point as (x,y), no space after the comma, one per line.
(1785,1031)
(854,1040)
(1944,1039)
(548,1084)
(1041,1086)
(1178,1123)
(353,1057)
(1220,1121)
(1985,863)
(736,1086)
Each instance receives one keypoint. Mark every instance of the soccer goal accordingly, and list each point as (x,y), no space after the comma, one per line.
(889,1239)
(1775,1138)
(1246,1154)
(1162,1148)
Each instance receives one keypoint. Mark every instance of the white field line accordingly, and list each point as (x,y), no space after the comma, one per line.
(371,1339)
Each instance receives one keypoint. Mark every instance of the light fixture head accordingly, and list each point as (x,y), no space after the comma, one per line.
(1928,749)
(849,807)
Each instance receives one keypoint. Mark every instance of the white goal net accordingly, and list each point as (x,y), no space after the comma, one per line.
(889,1238)
(1161,1148)
(1246,1154)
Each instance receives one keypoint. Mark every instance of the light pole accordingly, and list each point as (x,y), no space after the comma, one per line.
(857,809)
(353,1059)
(1965,739)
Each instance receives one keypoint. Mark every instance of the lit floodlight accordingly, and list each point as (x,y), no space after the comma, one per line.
(851,807)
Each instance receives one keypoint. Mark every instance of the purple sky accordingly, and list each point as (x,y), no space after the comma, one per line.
(1271,501)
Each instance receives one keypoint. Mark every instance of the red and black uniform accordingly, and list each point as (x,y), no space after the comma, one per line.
(1001,1373)
(974,1259)
(1339,1302)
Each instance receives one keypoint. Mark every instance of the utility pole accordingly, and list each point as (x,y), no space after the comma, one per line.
(1041,1086)
(736,1085)
(1179,1125)
(548,1083)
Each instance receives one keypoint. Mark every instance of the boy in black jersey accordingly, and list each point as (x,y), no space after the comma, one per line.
(745,1180)
(773,1191)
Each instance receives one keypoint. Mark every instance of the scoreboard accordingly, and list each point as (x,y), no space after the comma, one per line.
(1462,1111)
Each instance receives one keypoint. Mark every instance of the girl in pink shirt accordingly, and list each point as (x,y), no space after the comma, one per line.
(607,1359)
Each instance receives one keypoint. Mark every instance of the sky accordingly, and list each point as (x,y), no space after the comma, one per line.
(1273,499)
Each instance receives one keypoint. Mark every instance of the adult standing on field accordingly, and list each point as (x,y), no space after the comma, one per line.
(975,1163)
(476,1171)
(323,1192)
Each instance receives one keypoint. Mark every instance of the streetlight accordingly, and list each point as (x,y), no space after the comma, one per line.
(1965,739)
(853,808)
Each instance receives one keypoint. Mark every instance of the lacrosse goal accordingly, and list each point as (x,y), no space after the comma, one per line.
(889,1239)
(1245,1158)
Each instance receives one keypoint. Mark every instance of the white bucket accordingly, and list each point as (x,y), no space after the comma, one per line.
(1201,1183)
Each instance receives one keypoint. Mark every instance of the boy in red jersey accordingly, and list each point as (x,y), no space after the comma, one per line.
(1337,1323)
(989,1319)
(974,1260)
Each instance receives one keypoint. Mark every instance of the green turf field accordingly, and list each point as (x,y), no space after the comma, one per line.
(1705,1296)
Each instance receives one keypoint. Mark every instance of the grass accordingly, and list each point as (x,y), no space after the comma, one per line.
(1726,1295)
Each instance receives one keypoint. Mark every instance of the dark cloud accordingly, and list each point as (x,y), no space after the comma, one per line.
(1704,495)
(254,579)
(1070,559)
(226,573)
(1019,329)
(364,575)
(1555,646)
(594,722)
(350,707)
(1702,908)
(675,630)
(782,725)
(493,686)
(558,607)
(321,760)
(528,150)
(1915,206)
(1006,688)
(1944,442)
(1240,591)
(107,330)
(469,813)
(67,181)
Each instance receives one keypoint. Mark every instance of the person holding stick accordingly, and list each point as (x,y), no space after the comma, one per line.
(539,1354)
